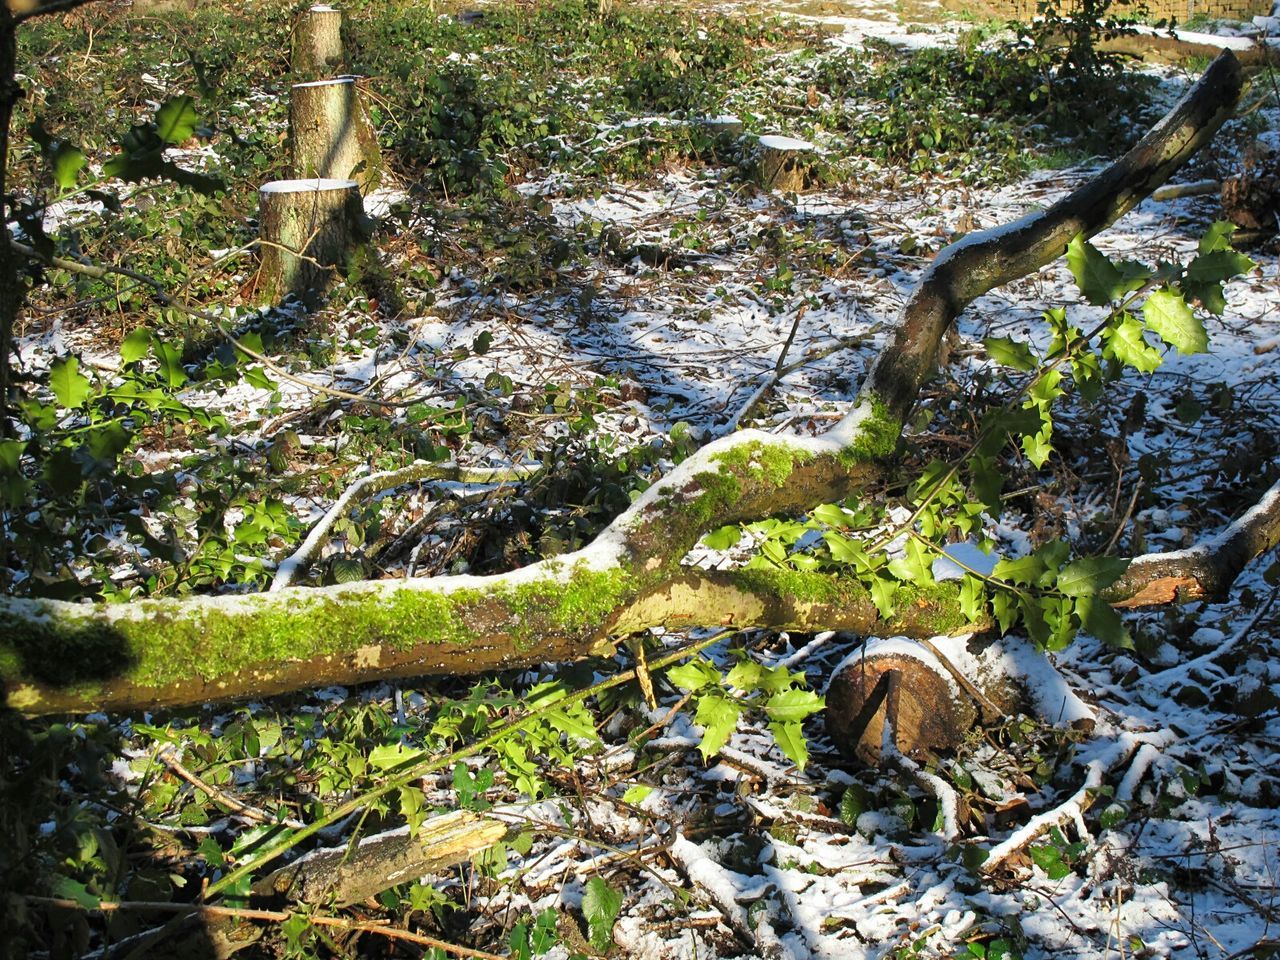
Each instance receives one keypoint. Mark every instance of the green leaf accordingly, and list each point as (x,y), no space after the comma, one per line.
(1217,237)
(601,905)
(694,675)
(388,756)
(69,889)
(66,163)
(1167,313)
(718,717)
(723,538)
(832,514)
(973,597)
(1207,273)
(176,119)
(1011,353)
(169,358)
(1124,342)
(793,705)
(791,741)
(845,549)
(1038,447)
(636,794)
(1097,277)
(882,593)
(745,675)
(1099,619)
(69,385)
(134,347)
(1090,575)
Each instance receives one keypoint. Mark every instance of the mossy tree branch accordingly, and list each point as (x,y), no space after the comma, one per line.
(60,657)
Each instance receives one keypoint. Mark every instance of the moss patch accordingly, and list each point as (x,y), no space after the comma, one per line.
(772,462)
(877,437)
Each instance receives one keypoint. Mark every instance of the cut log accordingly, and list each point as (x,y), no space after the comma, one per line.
(307,229)
(343,875)
(317,42)
(331,134)
(782,163)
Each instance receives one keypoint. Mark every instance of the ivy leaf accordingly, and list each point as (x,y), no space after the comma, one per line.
(1099,619)
(791,741)
(134,347)
(1011,353)
(723,538)
(790,706)
(718,717)
(176,119)
(1167,313)
(694,675)
(1097,277)
(1124,342)
(1089,576)
(69,385)
(601,905)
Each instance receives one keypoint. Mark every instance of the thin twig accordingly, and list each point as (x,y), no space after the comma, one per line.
(170,760)
(271,916)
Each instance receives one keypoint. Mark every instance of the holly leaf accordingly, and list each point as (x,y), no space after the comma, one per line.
(973,597)
(1085,577)
(723,538)
(1099,619)
(882,591)
(1206,274)
(788,706)
(69,385)
(1011,353)
(636,793)
(170,360)
(1217,237)
(694,675)
(601,905)
(1166,312)
(134,347)
(1098,278)
(791,741)
(65,164)
(718,717)
(176,119)
(1124,342)
(388,756)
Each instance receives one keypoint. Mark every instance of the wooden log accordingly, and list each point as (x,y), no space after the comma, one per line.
(782,163)
(307,229)
(331,134)
(317,42)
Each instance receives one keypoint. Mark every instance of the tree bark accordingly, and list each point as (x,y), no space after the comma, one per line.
(60,657)
(307,229)
(317,42)
(331,134)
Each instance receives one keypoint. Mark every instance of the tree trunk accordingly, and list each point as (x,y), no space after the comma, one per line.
(62,657)
(331,134)
(317,42)
(307,228)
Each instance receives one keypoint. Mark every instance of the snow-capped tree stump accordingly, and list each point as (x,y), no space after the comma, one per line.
(782,163)
(307,229)
(317,42)
(331,134)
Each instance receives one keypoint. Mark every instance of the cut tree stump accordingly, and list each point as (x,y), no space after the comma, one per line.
(317,42)
(307,229)
(331,134)
(783,163)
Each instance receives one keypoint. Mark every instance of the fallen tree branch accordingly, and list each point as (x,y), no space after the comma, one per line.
(63,657)
(168,757)
(375,483)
